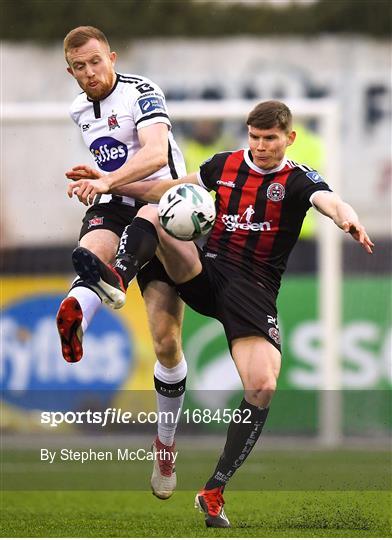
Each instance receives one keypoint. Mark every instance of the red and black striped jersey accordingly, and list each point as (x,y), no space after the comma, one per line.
(259,213)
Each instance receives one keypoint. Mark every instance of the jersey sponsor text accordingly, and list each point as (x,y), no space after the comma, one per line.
(109,153)
(233,222)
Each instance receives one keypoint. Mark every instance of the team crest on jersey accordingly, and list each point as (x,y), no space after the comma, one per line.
(276,192)
(95,221)
(113,122)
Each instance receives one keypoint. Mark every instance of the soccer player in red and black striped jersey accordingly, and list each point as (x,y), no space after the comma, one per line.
(261,201)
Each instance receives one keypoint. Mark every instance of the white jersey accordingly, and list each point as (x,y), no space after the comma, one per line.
(109,127)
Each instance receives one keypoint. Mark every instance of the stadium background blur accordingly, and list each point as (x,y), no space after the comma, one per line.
(210,51)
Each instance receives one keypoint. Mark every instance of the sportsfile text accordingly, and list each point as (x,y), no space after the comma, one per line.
(118,416)
(106,417)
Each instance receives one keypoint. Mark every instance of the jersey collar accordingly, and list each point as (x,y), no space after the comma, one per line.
(249,162)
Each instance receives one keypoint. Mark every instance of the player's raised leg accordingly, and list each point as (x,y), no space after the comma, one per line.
(138,244)
(258,364)
(79,307)
(165,313)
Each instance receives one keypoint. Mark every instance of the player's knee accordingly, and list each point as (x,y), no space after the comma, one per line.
(149,213)
(268,385)
(261,391)
(263,383)
(168,350)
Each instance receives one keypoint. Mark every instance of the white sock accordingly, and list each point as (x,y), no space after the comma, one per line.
(89,302)
(165,381)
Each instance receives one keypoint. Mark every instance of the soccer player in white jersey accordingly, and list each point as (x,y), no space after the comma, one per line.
(124,123)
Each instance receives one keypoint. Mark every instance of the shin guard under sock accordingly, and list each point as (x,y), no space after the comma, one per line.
(241,438)
(137,247)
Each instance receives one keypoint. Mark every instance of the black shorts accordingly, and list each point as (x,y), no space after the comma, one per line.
(153,271)
(111,216)
(114,216)
(241,303)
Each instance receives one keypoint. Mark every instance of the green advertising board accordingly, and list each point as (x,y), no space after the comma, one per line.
(365,357)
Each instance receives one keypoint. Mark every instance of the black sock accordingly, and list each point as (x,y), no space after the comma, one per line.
(241,438)
(137,247)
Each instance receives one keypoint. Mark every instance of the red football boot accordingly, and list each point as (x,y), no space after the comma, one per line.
(69,325)
(210,501)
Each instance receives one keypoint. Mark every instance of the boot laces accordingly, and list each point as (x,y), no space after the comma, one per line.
(214,500)
(166,466)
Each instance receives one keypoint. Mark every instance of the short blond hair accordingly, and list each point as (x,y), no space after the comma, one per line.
(81,35)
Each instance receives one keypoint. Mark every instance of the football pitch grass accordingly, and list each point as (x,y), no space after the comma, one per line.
(139,514)
(356,504)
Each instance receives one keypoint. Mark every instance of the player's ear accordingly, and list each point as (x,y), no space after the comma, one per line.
(113,57)
(70,71)
(291,138)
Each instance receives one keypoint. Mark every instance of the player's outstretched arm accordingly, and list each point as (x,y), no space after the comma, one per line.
(152,190)
(149,191)
(151,157)
(343,215)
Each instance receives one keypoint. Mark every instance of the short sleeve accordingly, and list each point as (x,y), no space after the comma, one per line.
(210,171)
(305,184)
(149,106)
(73,115)
(76,108)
